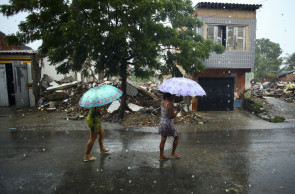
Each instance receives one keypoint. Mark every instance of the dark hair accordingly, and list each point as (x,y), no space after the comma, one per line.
(166,96)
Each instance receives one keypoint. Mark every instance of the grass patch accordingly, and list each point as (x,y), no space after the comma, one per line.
(256,107)
(278,119)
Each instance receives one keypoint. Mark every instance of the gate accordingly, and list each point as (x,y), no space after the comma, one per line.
(20,77)
(3,89)
(220,94)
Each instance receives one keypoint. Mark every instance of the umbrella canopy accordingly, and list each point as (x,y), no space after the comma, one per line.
(99,96)
(182,86)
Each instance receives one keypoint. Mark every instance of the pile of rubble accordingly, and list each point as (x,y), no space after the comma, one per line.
(143,102)
(64,97)
(258,105)
(284,90)
(151,117)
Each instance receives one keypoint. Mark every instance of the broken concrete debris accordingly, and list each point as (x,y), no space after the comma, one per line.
(284,90)
(114,106)
(143,103)
(131,88)
(134,107)
(259,105)
(62,86)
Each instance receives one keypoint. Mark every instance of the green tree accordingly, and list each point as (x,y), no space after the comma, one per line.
(267,59)
(115,34)
(289,62)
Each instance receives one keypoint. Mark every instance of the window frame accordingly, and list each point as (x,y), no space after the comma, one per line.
(233,37)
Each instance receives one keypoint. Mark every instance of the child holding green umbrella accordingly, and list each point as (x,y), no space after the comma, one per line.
(93,99)
(96,132)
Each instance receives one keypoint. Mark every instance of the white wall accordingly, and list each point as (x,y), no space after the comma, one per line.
(249,78)
(51,72)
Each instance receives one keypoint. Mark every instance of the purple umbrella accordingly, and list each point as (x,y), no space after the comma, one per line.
(182,86)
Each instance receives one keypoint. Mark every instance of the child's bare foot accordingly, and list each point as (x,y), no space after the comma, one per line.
(104,150)
(88,158)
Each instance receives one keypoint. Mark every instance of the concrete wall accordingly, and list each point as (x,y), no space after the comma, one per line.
(50,70)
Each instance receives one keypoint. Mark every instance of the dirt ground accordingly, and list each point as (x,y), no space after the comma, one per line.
(146,117)
(135,119)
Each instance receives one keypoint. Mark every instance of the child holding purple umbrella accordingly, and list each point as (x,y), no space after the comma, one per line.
(167,126)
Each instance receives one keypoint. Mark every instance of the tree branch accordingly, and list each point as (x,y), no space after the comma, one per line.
(168,48)
(85,13)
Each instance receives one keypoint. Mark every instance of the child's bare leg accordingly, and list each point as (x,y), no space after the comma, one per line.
(100,141)
(175,143)
(90,143)
(162,145)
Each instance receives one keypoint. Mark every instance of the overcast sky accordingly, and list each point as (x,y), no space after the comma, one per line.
(275,21)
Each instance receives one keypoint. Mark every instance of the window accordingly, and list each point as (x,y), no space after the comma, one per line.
(232,37)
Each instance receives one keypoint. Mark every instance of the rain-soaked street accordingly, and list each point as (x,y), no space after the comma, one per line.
(235,152)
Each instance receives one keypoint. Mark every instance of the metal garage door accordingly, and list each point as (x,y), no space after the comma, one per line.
(21,90)
(3,88)
(220,94)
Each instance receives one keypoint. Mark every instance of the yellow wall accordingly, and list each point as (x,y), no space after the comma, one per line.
(9,59)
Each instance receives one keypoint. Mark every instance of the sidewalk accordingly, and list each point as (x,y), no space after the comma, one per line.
(214,120)
(233,120)
(7,111)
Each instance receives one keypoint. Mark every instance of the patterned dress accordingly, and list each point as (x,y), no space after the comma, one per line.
(167,126)
(93,120)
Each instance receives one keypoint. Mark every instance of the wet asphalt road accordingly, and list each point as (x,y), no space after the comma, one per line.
(233,153)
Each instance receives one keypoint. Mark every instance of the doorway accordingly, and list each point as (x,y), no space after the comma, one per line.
(10,84)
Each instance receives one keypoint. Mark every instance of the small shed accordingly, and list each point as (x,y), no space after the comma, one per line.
(287,76)
(19,78)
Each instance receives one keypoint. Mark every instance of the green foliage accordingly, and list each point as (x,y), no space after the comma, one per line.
(114,32)
(115,35)
(253,105)
(267,59)
(277,119)
(289,62)
(256,107)
(137,79)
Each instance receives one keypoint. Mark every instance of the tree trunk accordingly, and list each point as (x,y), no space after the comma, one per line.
(123,74)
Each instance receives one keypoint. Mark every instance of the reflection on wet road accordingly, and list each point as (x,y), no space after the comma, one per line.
(48,159)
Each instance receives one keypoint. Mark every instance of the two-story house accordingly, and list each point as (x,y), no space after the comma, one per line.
(227,75)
